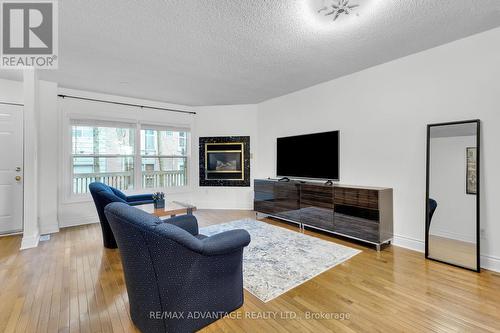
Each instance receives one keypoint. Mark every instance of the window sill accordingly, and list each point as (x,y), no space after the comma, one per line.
(74,199)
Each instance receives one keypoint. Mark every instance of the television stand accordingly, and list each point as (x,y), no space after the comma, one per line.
(357,212)
(284,179)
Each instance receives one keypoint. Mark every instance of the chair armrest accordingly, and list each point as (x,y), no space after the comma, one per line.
(140,197)
(186,222)
(225,242)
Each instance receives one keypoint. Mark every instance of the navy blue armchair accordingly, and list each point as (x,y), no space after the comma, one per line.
(104,195)
(177,280)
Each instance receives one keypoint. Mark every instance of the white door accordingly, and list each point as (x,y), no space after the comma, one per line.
(11,168)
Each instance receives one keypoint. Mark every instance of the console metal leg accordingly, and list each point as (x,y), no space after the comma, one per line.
(378,247)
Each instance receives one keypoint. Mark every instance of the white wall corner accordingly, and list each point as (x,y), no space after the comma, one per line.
(29,242)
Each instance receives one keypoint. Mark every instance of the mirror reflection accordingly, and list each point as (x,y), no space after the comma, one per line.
(452,194)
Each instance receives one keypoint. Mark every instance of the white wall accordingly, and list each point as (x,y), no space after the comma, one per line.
(235,120)
(382,113)
(455,216)
(11,91)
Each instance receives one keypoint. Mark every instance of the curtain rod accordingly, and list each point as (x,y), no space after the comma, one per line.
(126,104)
(11,103)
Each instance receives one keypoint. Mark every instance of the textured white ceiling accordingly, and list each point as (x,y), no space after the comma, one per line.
(208,52)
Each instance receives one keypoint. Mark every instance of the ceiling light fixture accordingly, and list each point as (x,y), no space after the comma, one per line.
(365,15)
(337,8)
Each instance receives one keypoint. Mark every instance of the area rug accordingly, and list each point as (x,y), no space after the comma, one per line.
(279,259)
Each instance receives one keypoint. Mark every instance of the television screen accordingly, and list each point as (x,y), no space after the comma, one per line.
(309,156)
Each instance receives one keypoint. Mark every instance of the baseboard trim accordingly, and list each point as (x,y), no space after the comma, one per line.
(223,208)
(80,221)
(49,230)
(488,262)
(15,233)
(409,243)
(29,242)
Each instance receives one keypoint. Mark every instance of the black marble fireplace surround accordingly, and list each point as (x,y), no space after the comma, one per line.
(225,161)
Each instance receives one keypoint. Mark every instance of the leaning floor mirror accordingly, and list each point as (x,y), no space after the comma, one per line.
(452,203)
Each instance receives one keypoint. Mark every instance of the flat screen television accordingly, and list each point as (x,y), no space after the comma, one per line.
(310,156)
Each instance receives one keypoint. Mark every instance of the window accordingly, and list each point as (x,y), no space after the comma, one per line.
(102,153)
(163,158)
(149,140)
(106,152)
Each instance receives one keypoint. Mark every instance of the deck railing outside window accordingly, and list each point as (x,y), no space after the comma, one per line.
(124,180)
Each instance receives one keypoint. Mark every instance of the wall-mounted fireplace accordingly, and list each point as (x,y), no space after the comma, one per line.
(225,161)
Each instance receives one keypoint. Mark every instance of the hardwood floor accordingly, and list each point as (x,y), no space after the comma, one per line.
(72,284)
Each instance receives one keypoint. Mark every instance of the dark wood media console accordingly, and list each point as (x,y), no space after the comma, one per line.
(362,213)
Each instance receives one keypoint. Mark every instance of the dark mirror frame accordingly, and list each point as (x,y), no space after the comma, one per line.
(478,195)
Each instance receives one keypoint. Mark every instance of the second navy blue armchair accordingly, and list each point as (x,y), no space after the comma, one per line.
(104,195)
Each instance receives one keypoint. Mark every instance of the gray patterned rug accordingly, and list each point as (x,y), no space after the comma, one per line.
(279,259)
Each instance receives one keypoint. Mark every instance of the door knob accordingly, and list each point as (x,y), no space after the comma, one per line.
(18,178)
